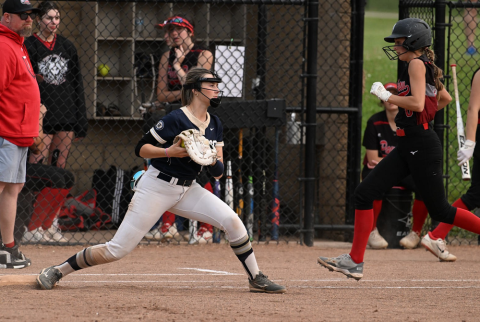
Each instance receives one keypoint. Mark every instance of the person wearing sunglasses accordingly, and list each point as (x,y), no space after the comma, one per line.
(19,115)
(184,54)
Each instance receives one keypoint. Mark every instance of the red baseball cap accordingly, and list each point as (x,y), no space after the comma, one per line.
(390,86)
(178,21)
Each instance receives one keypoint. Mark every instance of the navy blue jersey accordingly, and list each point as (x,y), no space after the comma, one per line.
(406,118)
(170,126)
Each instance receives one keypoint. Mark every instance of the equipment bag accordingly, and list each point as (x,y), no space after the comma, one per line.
(113,192)
(80,213)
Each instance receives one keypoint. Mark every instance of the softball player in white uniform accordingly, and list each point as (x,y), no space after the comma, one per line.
(169,184)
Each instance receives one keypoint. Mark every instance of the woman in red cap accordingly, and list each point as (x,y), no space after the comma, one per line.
(184,54)
(379,140)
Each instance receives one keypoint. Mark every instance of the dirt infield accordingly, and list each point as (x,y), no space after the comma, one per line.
(200,283)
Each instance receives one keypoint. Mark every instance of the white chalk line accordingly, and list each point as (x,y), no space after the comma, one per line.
(209,271)
(222,273)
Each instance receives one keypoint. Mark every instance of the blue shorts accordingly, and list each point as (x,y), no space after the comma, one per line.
(13,162)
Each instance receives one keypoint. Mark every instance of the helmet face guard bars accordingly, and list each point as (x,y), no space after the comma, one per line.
(214,102)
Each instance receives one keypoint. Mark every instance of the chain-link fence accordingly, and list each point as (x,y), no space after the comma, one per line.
(110,70)
(455,27)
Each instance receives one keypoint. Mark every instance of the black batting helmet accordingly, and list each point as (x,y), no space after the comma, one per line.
(417,34)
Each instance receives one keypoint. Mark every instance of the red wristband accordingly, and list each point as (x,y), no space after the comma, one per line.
(166,153)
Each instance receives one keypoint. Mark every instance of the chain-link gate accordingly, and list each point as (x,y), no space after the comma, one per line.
(113,69)
(454,25)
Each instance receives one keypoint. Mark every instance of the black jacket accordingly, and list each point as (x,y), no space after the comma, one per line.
(62,88)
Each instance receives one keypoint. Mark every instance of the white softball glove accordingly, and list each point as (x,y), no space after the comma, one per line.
(379,91)
(466,152)
(198,147)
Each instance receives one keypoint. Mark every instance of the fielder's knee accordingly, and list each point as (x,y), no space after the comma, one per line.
(233,227)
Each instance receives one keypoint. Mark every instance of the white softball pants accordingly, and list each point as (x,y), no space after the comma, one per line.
(154,196)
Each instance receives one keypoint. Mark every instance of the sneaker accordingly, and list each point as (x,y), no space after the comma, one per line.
(376,241)
(12,258)
(202,236)
(49,278)
(438,248)
(153,234)
(261,284)
(55,234)
(410,241)
(343,264)
(165,232)
(35,236)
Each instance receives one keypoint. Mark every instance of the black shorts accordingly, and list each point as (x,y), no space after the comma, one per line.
(54,129)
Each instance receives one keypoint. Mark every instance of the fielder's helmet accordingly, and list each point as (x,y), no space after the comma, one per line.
(417,34)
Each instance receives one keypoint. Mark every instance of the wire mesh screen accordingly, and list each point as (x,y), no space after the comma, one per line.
(460,49)
(109,71)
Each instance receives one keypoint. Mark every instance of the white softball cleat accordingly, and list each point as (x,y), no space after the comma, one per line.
(438,248)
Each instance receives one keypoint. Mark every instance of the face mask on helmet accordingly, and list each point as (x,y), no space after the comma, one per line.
(214,102)
(417,34)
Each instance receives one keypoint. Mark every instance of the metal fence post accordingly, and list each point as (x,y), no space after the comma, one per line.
(355,100)
(310,125)
(402,14)
(439,49)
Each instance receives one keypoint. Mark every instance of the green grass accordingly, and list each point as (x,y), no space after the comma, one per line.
(382,5)
(377,66)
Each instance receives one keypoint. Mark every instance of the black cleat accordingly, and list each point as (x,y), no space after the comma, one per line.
(12,258)
(261,284)
(49,278)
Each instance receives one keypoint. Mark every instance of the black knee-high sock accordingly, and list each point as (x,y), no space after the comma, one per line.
(243,249)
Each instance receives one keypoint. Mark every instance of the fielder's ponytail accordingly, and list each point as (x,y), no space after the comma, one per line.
(437,72)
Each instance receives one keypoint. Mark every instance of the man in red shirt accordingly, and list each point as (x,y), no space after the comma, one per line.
(19,115)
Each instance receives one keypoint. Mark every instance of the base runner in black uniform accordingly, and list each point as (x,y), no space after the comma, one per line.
(419,152)
(434,240)
(169,184)
(379,139)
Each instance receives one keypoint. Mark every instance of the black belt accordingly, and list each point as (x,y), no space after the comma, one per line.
(413,130)
(180,182)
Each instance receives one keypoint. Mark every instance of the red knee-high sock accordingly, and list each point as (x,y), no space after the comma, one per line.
(363,225)
(467,220)
(60,196)
(42,207)
(168,218)
(377,208)
(443,229)
(420,214)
